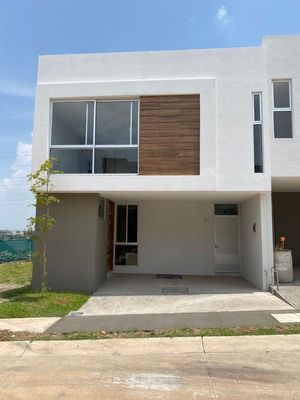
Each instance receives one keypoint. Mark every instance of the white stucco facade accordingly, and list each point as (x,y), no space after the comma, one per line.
(225,79)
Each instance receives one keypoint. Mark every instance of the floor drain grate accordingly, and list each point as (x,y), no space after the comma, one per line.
(175,290)
(168,276)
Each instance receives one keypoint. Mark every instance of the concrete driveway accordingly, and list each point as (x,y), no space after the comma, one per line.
(232,368)
(129,294)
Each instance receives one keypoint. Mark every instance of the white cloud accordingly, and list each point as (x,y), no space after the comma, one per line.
(20,166)
(14,191)
(222,17)
(16,88)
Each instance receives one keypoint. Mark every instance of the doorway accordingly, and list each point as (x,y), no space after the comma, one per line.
(227,249)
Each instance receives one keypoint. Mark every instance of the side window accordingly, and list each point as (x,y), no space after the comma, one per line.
(257,132)
(282,109)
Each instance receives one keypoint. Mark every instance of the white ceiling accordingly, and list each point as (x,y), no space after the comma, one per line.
(227,197)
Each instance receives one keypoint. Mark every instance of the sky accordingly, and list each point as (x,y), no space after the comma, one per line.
(29,28)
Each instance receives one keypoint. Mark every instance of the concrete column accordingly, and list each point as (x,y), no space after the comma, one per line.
(256,240)
(76,246)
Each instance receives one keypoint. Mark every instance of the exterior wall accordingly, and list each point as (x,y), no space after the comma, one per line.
(286,211)
(76,246)
(224,78)
(169,135)
(175,237)
(283,59)
(256,247)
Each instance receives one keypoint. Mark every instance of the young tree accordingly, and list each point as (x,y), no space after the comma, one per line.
(43,222)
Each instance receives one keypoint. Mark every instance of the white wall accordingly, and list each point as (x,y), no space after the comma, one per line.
(225,79)
(283,60)
(175,238)
(256,247)
(251,242)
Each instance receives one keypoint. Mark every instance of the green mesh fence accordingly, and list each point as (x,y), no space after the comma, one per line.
(15,249)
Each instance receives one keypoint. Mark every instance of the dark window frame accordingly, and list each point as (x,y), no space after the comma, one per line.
(134,131)
(129,244)
(282,109)
(257,122)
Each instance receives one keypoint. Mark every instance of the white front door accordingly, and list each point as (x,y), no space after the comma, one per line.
(227,244)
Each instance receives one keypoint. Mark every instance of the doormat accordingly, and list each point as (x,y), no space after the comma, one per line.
(175,290)
(168,276)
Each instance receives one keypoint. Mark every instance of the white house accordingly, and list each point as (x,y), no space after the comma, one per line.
(175,162)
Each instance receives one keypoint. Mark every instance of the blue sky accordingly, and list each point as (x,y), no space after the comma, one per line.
(32,27)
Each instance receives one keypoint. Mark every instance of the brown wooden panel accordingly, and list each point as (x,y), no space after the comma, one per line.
(166,139)
(169,106)
(110,234)
(167,125)
(169,135)
(171,98)
(162,119)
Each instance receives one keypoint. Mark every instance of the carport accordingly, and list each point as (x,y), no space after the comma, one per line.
(138,294)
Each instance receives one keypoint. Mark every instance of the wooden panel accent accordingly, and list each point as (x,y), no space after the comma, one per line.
(169,141)
(110,234)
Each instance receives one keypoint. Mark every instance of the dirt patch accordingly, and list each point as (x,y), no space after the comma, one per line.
(6,335)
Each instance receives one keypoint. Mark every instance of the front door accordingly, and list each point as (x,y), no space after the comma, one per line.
(227,244)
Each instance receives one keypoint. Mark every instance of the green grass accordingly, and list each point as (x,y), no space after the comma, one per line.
(25,303)
(18,273)
(172,333)
(168,333)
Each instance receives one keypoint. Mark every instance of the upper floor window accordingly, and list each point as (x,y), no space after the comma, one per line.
(95,136)
(257,132)
(282,109)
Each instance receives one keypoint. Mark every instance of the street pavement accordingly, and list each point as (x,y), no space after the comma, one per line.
(246,367)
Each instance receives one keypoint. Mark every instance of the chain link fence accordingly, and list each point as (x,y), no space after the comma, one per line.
(15,249)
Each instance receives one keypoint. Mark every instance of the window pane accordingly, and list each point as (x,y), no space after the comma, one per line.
(121,224)
(113,122)
(226,209)
(68,123)
(73,161)
(132,224)
(258,154)
(134,122)
(283,124)
(281,94)
(90,122)
(126,255)
(256,99)
(116,161)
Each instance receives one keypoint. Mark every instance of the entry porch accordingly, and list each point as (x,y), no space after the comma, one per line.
(190,234)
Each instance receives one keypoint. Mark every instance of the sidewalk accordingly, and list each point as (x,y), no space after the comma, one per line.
(36,325)
(109,323)
(168,321)
(233,368)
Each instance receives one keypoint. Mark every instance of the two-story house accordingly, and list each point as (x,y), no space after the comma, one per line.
(174,162)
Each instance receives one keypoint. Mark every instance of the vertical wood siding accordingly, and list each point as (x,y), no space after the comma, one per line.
(110,235)
(169,141)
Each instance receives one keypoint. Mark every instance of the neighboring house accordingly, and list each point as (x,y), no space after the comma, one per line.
(170,160)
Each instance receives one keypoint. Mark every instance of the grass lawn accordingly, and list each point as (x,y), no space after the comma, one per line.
(25,303)
(18,273)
